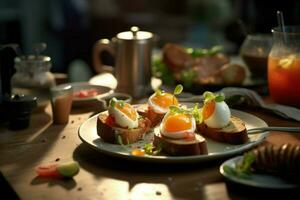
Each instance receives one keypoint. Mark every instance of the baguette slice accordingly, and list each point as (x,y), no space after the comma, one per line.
(180,147)
(128,136)
(154,118)
(234,133)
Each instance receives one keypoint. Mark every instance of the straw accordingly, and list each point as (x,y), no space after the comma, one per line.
(281,23)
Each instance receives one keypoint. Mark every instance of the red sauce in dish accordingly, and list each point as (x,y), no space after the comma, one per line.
(86,93)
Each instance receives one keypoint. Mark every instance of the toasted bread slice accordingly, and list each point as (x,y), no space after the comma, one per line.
(114,134)
(154,118)
(180,147)
(234,133)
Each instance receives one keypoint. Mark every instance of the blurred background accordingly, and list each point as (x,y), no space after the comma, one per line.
(70,27)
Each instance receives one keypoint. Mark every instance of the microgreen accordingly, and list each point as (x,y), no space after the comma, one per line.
(150,149)
(178,89)
(113,101)
(220,97)
(195,112)
(158,92)
(209,96)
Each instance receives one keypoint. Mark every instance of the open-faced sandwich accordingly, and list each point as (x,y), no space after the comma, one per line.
(121,123)
(217,122)
(158,105)
(176,133)
(282,161)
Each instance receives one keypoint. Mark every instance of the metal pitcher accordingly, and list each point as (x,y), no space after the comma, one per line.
(132,51)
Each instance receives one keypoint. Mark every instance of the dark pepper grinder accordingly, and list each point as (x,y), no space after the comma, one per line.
(8,53)
(18,109)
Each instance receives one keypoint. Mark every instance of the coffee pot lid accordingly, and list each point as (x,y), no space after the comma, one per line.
(135,34)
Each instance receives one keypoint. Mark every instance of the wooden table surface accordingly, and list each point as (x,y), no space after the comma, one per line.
(104,177)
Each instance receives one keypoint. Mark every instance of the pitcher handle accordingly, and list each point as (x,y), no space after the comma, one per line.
(99,47)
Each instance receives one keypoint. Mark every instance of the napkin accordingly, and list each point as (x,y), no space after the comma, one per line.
(256,100)
(236,95)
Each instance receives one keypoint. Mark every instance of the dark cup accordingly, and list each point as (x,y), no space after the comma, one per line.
(18,109)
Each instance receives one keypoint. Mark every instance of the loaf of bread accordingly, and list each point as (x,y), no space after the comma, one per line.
(234,133)
(117,135)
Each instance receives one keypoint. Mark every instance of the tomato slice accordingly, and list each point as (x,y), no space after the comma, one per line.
(47,170)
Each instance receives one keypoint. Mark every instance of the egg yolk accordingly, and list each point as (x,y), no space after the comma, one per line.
(178,122)
(208,109)
(165,100)
(127,110)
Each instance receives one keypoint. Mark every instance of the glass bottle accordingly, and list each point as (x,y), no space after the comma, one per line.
(33,77)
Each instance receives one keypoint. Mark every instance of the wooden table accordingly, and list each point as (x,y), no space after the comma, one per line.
(103,177)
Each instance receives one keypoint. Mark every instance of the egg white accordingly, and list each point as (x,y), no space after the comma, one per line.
(177,134)
(123,120)
(220,117)
(155,107)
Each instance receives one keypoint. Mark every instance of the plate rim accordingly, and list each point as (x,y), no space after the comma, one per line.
(238,180)
(178,159)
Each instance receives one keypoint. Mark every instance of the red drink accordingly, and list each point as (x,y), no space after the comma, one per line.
(284,79)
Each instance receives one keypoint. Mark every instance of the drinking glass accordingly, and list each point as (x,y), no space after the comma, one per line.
(254,52)
(284,66)
(61,103)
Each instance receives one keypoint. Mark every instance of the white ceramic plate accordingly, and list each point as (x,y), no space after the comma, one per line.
(102,90)
(256,180)
(88,134)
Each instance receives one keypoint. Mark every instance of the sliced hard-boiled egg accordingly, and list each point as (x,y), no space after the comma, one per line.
(216,114)
(124,114)
(177,125)
(160,102)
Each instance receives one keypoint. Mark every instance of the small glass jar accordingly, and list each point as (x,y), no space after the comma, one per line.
(33,77)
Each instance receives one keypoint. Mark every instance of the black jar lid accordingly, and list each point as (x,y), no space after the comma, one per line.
(20,102)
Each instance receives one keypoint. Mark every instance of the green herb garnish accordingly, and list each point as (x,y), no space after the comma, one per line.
(178,89)
(113,102)
(187,77)
(119,140)
(209,96)
(199,52)
(160,70)
(195,112)
(242,169)
(150,149)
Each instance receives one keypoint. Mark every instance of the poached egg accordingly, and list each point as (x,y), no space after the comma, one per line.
(177,125)
(160,102)
(216,114)
(124,114)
